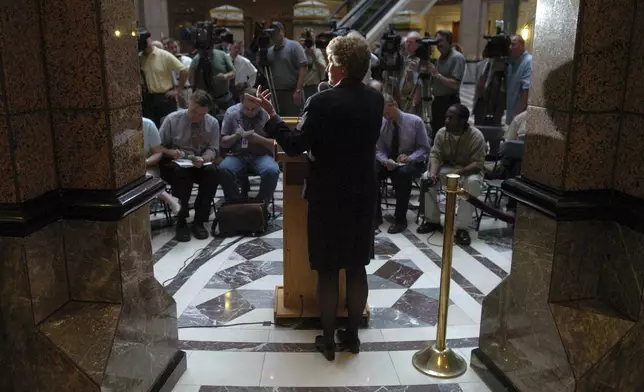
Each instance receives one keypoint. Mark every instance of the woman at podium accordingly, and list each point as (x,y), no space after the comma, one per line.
(339,130)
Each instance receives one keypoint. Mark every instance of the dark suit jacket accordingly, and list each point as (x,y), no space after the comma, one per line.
(339,128)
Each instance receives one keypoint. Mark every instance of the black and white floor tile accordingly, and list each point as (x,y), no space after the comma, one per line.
(224,289)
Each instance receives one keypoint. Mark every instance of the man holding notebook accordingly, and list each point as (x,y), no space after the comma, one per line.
(402,150)
(190,138)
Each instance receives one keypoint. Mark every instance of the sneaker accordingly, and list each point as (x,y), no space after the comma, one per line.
(462,237)
(199,231)
(429,227)
(183,231)
(397,228)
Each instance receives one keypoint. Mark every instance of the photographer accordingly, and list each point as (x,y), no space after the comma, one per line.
(446,78)
(222,72)
(409,76)
(288,65)
(316,64)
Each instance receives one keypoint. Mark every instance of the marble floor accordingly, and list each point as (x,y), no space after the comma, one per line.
(224,293)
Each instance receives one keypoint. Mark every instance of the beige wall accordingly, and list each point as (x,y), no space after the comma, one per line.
(442,17)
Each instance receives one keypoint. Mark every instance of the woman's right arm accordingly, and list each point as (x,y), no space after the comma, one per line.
(299,140)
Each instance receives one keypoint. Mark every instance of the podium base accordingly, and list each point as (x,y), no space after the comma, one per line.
(306,311)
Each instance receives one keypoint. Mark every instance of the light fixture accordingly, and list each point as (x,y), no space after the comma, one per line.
(134,34)
(525,33)
(117,33)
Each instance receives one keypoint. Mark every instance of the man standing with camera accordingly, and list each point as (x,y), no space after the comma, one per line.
(316,64)
(221,72)
(447,75)
(288,67)
(410,97)
(160,93)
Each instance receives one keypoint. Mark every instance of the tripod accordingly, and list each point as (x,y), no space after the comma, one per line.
(489,110)
(266,70)
(424,82)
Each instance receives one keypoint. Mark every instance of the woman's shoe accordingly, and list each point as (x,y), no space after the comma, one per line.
(348,341)
(327,349)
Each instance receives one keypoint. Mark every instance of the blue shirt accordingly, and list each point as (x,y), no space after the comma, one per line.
(518,80)
(235,118)
(412,132)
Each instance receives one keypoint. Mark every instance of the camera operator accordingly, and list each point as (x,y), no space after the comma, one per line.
(173,47)
(447,75)
(288,64)
(245,71)
(160,93)
(409,75)
(316,64)
(222,72)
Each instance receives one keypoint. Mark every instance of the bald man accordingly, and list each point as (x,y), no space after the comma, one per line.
(409,100)
(518,81)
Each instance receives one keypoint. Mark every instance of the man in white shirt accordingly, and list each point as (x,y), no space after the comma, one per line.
(245,71)
(174,48)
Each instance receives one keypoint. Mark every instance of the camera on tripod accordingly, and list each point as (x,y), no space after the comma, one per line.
(498,46)
(424,51)
(142,38)
(391,60)
(322,40)
(205,35)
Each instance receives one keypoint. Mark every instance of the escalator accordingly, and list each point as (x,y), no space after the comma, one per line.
(371,17)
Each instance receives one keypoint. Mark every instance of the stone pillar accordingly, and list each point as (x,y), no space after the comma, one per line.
(80,309)
(155,18)
(570,316)
(473,26)
(510,16)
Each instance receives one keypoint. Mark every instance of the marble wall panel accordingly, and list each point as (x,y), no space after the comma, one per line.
(552,71)
(22,65)
(128,155)
(73,54)
(635,82)
(622,276)
(146,332)
(545,146)
(93,261)
(47,271)
(587,335)
(579,253)
(629,169)
(33,154)
(8,184)
(84,331)
(621,369)
(605,31)
(591,150)
(83,149)
(122,76)
(532,358)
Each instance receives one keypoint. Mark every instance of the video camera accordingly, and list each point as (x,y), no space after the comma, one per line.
(205,35)
(322,40)
(142,35)
(497,46)
(424,51)
(390,42)
(309,40)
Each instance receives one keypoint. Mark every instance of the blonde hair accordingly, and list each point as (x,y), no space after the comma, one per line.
(351,53)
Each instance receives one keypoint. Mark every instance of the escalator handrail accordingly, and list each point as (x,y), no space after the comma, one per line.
(335,12)
(352,16)
(378,15)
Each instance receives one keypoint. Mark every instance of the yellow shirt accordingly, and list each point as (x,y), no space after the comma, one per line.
(158,67)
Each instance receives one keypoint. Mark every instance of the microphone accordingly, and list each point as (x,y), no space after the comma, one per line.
(324,86)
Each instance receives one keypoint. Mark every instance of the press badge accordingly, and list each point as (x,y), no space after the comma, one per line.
(244,143)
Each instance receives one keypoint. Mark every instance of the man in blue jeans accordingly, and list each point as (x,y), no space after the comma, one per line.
(249,150)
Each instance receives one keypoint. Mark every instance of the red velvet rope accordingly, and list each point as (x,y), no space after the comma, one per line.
(478,203)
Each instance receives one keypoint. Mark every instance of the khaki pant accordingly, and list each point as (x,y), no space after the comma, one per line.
(471,184)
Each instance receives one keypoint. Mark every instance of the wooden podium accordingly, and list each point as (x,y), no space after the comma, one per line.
(297,298)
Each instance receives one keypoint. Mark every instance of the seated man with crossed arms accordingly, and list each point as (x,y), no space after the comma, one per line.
(250,150)
(459,148)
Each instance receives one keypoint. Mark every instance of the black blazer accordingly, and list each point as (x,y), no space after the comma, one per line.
(339,129)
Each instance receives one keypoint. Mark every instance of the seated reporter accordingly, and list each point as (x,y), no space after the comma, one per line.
(191,134)
(402,151)
(250,149)
(459,148)
(339,129)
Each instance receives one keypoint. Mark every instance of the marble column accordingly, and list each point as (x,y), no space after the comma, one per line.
(570,316)
(80,309)
(155,18)
(473,27)
(510,15)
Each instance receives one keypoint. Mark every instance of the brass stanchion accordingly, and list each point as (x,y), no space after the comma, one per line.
(438,360)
